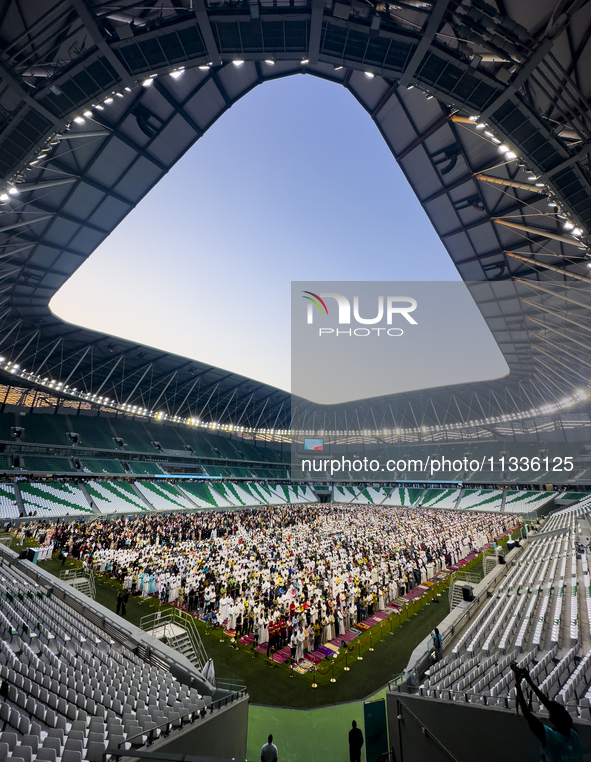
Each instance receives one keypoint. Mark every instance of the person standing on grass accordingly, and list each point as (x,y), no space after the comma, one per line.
(355,743)
(269,751)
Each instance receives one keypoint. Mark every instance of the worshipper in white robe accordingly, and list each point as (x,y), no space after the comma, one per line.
(300,645)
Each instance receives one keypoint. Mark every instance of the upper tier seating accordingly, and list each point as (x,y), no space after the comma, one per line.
(100,466)
(133,434)
(46,465)
(145,467)
(168,437)
(94,431)
(45,429)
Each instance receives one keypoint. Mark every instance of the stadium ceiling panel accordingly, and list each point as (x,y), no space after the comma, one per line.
(484,106)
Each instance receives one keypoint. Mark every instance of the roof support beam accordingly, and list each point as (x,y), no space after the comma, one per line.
(13,225)
(586,347)
(557,314)
(315,30)
(421,138)
(15,86)
(206,32)
(535,284)
(537,231)
(427,36)
(91,26)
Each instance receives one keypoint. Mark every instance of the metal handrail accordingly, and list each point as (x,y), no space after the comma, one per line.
(395,687)
(174,615)
(155,756)
(78,573)
(217,704)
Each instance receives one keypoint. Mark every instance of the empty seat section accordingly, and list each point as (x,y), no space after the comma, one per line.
(169,437)
(54,499)
(145,467)
(164,496)
(8,505)
(115,497)
(46,465)
(45,429)
(133,434)
(101,466)
(93,431)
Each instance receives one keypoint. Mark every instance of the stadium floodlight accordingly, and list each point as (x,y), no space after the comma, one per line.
(4,198)
(108,101)
(238,62)
(578,232)
(269,62)
(147,82)
(177,72)
(504,149)
(13,191)
(511,155)
(369,74)
(568,226)
(305,61)
(79,120)
(87,113)
(205,67)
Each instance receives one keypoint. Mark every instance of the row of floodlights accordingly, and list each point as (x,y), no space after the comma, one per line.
(567,402)
(511,155)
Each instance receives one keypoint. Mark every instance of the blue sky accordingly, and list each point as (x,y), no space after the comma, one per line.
(294,182)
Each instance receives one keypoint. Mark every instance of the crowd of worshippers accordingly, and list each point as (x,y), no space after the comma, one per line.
(297,574)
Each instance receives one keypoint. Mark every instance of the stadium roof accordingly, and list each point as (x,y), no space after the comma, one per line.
(99,99)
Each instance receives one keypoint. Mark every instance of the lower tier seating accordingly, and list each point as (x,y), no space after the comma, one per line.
(70,690)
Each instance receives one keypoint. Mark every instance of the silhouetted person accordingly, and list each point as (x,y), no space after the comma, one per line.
(561,744)
(355,743)
(119,602)
(124,599)
(269,751)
